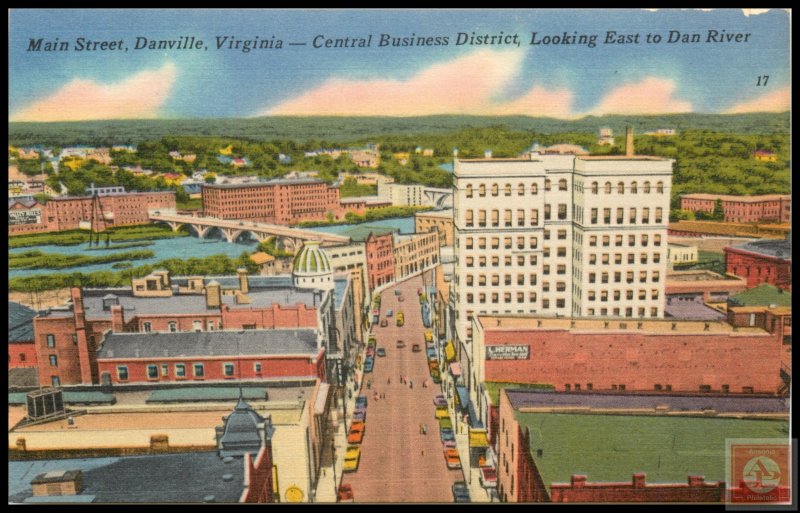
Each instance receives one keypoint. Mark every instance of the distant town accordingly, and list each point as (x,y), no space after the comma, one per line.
(585,320)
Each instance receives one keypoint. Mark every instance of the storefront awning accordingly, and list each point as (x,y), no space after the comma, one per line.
(455,369)
(474,421)
(462,399)
(478,438)
(450,351)
(488,477)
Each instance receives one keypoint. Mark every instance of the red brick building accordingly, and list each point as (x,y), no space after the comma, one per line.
(67,339)
(743,209)
(277,201)
(595,447)
(379,247)
(211,356)
(69,212)
(761,261)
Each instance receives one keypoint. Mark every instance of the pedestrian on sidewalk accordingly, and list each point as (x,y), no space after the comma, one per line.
(388,381)
(410,384)
(423,452)
(424,429)
(420,428)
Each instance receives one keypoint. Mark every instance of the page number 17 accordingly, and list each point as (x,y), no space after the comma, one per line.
(762,81)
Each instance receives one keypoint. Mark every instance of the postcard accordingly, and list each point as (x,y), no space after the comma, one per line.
(400,256)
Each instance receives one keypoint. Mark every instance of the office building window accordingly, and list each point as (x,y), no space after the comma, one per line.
(122,372)
(152,372)
(199,370)
(228,369)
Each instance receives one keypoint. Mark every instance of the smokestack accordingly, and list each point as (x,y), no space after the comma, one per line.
(629,152)
(213,295)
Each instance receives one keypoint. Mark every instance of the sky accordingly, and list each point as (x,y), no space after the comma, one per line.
(554,78)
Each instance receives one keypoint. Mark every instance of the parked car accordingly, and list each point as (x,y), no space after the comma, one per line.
(368,364)
(441,412)
(345,494)
(351,458)
(416,348)
(361,401)
(453,461)
(447,434)
(381,352)
(370,351)
(449,444)
(389,312)
(384,323)
(356,433)
(445,422)
(428,336)
(440,401)
(431,352)
(460,492)
(400,344)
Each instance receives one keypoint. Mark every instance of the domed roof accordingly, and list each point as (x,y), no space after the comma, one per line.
(240,432)
(312,260)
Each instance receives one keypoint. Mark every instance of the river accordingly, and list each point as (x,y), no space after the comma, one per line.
(184,247)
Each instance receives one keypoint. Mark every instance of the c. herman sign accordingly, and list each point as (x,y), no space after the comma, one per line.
(515,352)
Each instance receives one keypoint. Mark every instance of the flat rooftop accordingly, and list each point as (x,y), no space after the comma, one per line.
(743,199)
(699,276)
(762,295)
(773,248)
(655,326)
(209,343)
(610,448)
(691,310)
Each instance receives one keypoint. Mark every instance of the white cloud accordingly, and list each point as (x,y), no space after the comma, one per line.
(137,97)
(652,95)
(776,101)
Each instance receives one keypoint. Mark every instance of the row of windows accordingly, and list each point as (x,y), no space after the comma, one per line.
(507,261)
(605,258)
(617,312)
(508,298)
(51,340)
(508,188)
(618,239)
(620,218)
(617,295)
(198,369)
(633,188)
(507,280)
(508,216)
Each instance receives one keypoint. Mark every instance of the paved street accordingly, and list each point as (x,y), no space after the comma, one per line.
(398,464)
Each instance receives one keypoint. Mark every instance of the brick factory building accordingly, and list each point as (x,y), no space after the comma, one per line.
(624,355)
(67,339)
(588,447)
(277,201)
(762,261)
(21,347)
(379,246)
(75,212)
(743,209)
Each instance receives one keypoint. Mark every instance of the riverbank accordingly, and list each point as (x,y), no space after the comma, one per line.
(36,259)
(76,237)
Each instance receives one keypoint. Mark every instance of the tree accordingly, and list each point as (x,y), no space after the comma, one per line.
(718,214)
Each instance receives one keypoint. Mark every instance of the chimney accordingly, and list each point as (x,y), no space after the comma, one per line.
(117,319)
(213,294)
(638,480)
(578,481)
(696,481)
(629,152)
(244,285)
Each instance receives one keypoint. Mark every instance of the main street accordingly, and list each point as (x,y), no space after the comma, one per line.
(398,464)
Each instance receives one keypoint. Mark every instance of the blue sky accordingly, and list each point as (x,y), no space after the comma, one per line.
(556,80)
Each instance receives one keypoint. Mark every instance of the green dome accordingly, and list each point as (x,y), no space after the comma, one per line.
(312,260)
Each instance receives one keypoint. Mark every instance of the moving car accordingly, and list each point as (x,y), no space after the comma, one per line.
(441,412)
(351,458)
(389,312)
(447,434)
(360,415)
(400,344)
(453,461)
(460,492)
(416,348)
(384,323)
(381,352)
(356,433)
(361,401)
(431,353)
(401,319)
(440,401)
(437,379)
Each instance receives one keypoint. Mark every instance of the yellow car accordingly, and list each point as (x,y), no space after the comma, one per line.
(428,336)
(441,413)
(400,319)
(351,458)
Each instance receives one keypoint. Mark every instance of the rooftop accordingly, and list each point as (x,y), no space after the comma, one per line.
(730,197)
(276,181)
(612,447)
(25,201)
(691,310)
(361,232)
(150,479)
(521,399)
(446,213)
(699,275)
(776,248)
(20,322)
(209,343)
(522,322)
(339,289)
(762,295)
